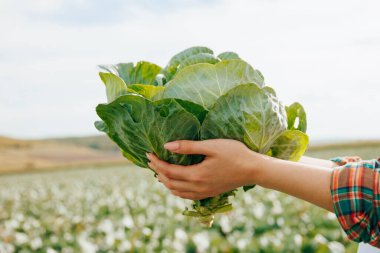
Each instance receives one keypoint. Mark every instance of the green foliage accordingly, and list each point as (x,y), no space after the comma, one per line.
(140,126)
(290,145)
(184,57)
(115,86)
(200,96)
(141,73)
(228,56)
(147,91)
(296,112)
(199,58)
(246,113)
(204,83)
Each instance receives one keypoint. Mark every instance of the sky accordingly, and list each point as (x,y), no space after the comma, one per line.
(324,54)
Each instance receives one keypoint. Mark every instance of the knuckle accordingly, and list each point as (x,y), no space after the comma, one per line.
(193,178)
(169,185)
(163,172)
(168,173)
(198,178)
(204,189)
(155,167)
(176,193)
(159,165)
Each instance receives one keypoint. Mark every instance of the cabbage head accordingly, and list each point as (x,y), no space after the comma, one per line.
(197,96)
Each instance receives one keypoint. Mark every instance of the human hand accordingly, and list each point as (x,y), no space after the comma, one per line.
(228,164)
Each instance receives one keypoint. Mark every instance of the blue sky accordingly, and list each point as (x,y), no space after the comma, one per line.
(324,54)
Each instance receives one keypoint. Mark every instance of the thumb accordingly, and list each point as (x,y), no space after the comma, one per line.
(191,147)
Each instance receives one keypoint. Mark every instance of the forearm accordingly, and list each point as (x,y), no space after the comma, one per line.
(304,181)
(317,162)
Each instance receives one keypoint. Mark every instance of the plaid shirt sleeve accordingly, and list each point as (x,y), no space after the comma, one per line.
(355,190)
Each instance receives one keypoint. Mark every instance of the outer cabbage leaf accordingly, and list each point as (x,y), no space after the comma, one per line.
(197,110)
(295,112)
(290,145)
(101,126)
(171,69)
(138,125)
(198,58)
(228,56)
(141,73)
(189,52)
(249,114)
(145,90)
(204,83)
(260,74)
(115,86)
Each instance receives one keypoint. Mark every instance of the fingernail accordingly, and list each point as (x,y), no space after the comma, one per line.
(171,146)
(150,165)
(148,156)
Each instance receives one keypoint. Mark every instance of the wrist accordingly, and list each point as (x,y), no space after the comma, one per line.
(255,168)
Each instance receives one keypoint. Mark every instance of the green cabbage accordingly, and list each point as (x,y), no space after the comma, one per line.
(197,96)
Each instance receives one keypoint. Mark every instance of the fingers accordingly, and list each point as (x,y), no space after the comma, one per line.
(177,185)
(186,190)
(171,171)
(183,181)
(188,195)
(206,147)
(182,189)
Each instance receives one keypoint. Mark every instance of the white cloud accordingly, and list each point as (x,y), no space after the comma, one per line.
(41,6)
(321,53)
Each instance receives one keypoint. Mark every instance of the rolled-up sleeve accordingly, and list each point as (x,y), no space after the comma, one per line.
(355,190)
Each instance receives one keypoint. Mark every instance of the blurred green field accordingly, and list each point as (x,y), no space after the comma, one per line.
(124,209)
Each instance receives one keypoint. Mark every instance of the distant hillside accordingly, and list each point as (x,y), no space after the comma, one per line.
(6,143)
(93,142)
(365,149)
(27,155)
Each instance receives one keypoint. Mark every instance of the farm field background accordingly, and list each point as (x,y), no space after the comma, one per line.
(66,188)
(124,209)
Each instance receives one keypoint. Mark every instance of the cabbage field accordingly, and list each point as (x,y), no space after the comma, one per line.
(125,210)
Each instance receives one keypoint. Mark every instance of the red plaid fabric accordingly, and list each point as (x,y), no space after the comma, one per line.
(355,190)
